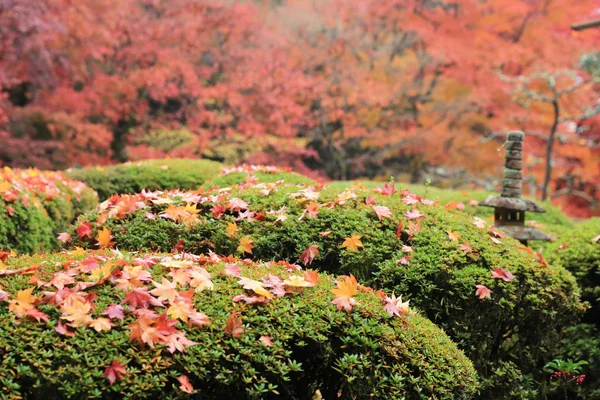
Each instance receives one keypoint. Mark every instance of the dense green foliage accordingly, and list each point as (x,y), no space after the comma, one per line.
(290,346)
(578,250)
(133,177)
(507,336)
(36,206)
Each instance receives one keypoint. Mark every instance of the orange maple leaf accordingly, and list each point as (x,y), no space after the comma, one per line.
(234,325)
(246,245)
(104,237)
(353,243)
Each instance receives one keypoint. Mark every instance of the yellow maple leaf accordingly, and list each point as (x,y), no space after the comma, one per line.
(231,228)
(454,236)
(180,309)
(24,302)
(104,237)
(256,286)
(353,243)
(77,312)
(5,186)
(246,245)
(101,324)
(297,281)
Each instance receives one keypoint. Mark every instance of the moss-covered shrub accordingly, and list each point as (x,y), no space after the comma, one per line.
(251,174)
(36,205)
(113,325)
(553,222)
(133,177)
(578,250)
(398,242)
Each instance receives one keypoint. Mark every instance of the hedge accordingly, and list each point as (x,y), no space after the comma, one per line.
(133,177)
(114,325)
(553,222)
(36,206)
(398,242)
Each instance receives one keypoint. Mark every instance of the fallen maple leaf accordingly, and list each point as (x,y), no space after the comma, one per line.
(353,243)
(115,371)
(185,385)
(101,324)
(84,230)
(104,237)
(231,229)
(347,287)
(234,325)
(454,236)
(165,291)
(297,281)
(500,273)
(596,239)
(246,245)
(395,306)
(266,340)
(482,291)
(478,222)
(382,212)
(114,311)
(232,269)
(309,254)
(64,237)
(256,286)
(465,247)
(497,233)
(413,214)
(311,276)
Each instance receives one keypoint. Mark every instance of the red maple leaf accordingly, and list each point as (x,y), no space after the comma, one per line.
(500,273)
(115,371)
(84,230)
(482,291)
(309,254)
(140,298)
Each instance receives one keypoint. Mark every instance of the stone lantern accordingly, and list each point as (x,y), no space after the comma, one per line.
(510,208)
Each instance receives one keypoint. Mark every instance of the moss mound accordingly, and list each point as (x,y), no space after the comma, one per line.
(252,174)
(36,206)
(552,222)
(133,177)
(578,250)
(396,241)
(158,326)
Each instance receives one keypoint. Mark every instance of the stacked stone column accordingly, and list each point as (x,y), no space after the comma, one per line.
(513,177)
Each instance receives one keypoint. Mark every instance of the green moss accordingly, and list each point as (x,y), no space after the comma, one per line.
(148,174)
(236,178)
(518,326)
(361,354)
(36,206)
(26,229)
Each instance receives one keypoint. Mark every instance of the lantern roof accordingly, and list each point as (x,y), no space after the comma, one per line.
(512,203)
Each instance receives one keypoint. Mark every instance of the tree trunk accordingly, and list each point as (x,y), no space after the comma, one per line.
(549,146)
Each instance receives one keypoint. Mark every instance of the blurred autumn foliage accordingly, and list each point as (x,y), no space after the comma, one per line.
(346,88)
